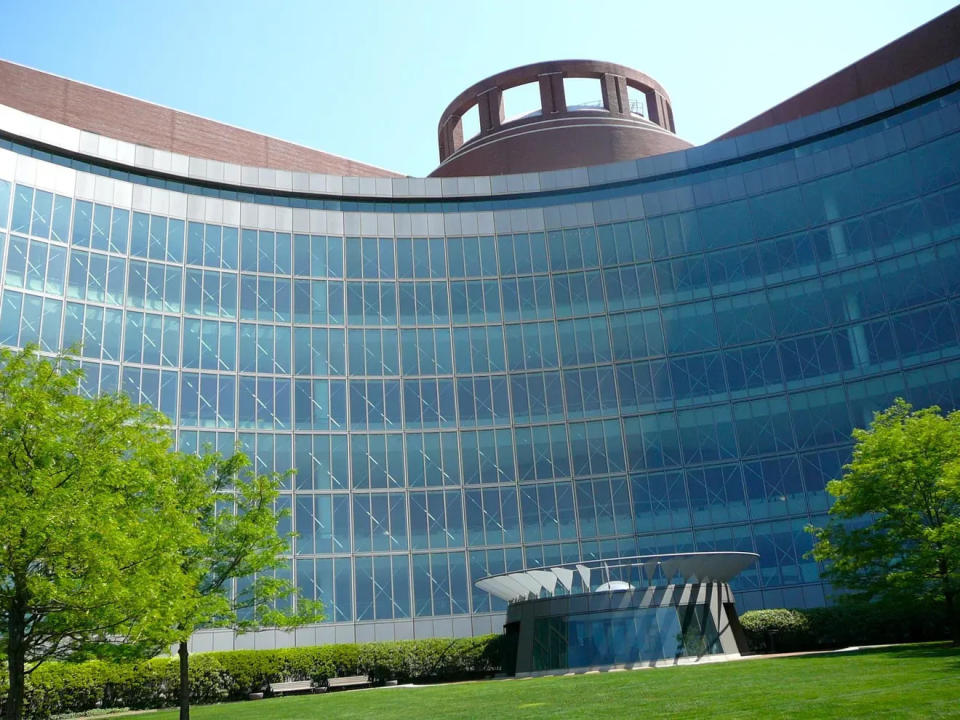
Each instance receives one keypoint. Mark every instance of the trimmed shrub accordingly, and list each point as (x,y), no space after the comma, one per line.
(777,630)
(857,623)
(60,688)
(143,685)
(248,671)
(435,660)
(846,624)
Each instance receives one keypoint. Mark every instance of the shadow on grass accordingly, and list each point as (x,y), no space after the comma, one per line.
(921,651)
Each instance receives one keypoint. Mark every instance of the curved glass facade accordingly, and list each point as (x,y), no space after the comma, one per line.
(662,365)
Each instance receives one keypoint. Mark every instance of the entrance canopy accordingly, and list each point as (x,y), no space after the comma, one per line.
(617,574)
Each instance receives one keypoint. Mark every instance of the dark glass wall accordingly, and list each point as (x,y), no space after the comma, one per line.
(623,637)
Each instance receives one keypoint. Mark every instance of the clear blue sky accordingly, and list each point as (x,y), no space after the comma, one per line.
(369,79)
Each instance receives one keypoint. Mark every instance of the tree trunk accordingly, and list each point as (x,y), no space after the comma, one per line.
(949,597)
(952,620)
(16,661)
(184,680)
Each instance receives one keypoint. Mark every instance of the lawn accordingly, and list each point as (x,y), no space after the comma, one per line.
(912,681)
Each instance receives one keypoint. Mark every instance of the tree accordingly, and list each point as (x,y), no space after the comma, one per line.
(92,531)
(239,525)
(894,530)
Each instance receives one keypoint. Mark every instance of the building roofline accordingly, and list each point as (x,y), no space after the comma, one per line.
(315,160)
(930,45)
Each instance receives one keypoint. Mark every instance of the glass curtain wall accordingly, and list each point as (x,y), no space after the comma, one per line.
(669,366)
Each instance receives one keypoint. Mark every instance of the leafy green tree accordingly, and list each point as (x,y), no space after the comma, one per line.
(238,522)
(92,527)
(894,530)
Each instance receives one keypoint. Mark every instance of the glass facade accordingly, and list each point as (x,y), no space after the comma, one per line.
(477,385)
(623,637)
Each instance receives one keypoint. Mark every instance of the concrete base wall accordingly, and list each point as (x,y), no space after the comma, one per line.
(331,633)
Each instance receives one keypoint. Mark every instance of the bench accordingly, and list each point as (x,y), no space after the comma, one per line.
(347,681)
(292,687)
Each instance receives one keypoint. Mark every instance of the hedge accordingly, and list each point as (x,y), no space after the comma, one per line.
(843,625)
(778,630)
(59,688)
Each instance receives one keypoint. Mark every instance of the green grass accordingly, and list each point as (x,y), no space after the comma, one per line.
(912,681)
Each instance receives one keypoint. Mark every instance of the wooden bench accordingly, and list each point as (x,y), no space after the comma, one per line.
(292,687)
(347,681)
